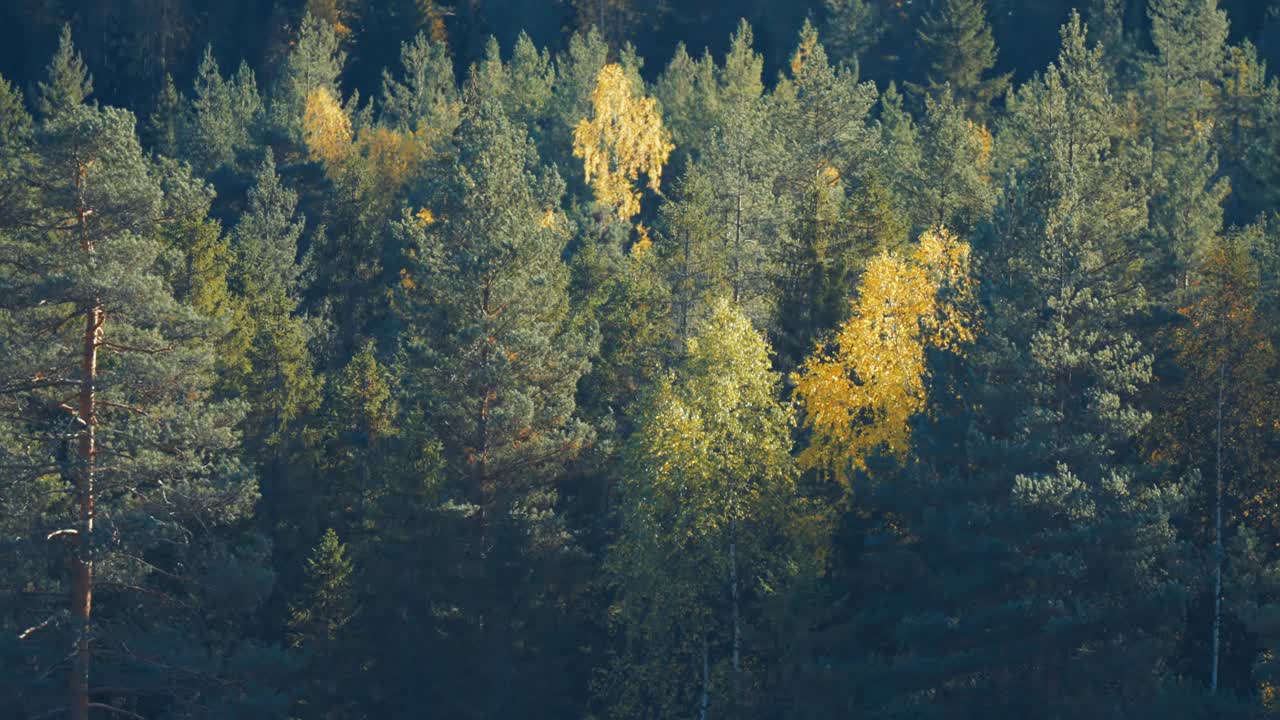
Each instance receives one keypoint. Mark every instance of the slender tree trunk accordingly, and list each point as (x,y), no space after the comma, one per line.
(706,682)
(733,592)
(82,547)
(1218,552)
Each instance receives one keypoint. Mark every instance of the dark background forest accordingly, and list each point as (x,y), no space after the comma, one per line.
(886,359)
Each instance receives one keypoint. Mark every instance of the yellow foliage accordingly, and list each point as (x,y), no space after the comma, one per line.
(393,154)
(808,43)
(623,137)
(643,242)
(985,143)
(425,217)
(326,127)
(860,395)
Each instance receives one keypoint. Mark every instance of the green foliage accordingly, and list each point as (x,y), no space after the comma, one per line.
(705,512)
(426,100)
(521,446)
(328,605)
(224,114)
(68,83)
(956,44)
(134,491)
(314,62)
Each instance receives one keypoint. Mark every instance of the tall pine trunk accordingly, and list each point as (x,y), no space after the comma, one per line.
(82,562)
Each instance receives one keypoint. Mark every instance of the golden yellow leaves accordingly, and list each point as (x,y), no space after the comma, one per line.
(326,127)
(623,138)
(389,156)
(860,395)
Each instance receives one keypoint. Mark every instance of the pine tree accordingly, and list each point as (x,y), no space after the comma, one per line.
(111,379)
(853,28)
(267,236)
(725,223)
(223,115)
(687,93)
(69,83)
(577,69)
(952,184)
(167,126)
(328,606)
(1023,560)
(318,622)
(1087,529)
(1184,78)
(314,63)
(426,101)
(1181,86)
(820,112)
(956,42)
(498,358)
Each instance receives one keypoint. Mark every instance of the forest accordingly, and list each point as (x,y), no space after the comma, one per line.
(639,359)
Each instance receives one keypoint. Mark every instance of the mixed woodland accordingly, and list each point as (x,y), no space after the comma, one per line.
(877,359)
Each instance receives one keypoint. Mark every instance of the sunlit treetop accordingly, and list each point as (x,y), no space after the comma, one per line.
(623,138)
(860,392)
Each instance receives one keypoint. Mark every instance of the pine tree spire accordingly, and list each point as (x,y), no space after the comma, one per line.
(69,82)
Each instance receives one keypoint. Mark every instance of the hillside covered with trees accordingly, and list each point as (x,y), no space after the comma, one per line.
(373,359)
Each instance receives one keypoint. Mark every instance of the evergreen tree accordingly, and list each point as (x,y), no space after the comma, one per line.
(167,126)
(266,237)
(821,114)
(426,101)
(853,28)
(318,622)
(69,83)
(952,185)
(223,115)
(1181,85)
(498,358)
(955,42)
(313,63)
(128,471)
(1087,543)
(1184,78)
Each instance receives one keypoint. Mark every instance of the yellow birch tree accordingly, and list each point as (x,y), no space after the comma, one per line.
(860,391)
(623,138)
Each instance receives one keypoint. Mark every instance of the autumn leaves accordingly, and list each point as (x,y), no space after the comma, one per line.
(860,391)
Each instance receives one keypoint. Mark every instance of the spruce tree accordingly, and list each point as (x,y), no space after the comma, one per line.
(224,113)
(955,42)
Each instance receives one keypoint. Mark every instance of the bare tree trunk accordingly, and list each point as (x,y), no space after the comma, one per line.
(1218,552)
(706,682)
(737,623)
(81,561)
